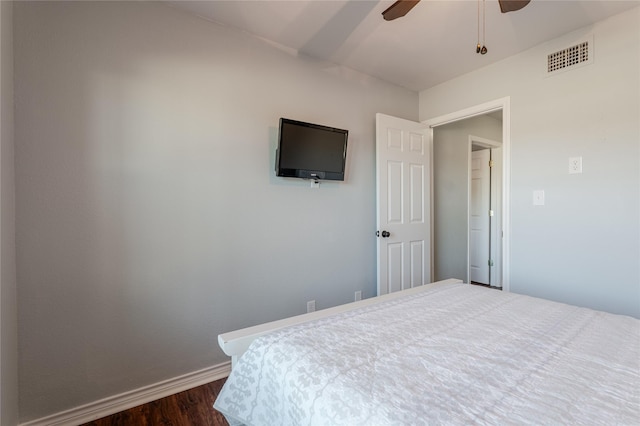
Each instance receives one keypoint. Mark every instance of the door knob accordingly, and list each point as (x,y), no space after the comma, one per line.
(386,234)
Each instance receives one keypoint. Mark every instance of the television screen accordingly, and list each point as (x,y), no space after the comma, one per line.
(310,151)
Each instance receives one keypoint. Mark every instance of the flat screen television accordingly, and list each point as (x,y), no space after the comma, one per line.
(311,151)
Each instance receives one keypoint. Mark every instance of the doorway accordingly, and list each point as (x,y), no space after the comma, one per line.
(451,192)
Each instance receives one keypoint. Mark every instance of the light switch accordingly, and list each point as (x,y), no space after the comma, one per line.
(538,197)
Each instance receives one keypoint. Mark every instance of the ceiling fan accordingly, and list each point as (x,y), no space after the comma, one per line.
(402,7)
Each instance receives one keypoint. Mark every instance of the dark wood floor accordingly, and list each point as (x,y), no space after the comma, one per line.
(191,407)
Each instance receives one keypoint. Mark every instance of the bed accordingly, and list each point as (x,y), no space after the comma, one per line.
(443,353)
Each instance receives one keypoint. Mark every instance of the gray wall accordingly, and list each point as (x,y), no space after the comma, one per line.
(451,192)
(149,216)
(8,297)
(583,246)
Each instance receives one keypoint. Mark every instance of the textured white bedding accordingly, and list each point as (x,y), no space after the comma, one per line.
(454,354)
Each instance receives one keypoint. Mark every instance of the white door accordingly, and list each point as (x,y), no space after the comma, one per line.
(479,219)
(495,276)
(403,184)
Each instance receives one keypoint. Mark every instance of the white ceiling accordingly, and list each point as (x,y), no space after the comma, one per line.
(433,43)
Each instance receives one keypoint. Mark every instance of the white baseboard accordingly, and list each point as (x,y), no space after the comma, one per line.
(124,401)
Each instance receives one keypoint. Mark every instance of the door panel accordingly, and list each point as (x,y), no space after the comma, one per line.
(395,266)
(417,264)
(417,193)
(403,185)
(394,192)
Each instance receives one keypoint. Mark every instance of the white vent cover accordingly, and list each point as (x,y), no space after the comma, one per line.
(570,57)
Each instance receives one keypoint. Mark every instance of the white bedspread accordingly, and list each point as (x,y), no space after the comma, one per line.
(454,354)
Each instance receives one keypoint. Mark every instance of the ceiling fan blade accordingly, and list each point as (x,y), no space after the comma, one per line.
(512,5)
(398,9)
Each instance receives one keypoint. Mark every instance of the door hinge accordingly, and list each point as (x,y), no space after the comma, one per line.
(490,213)
(491,163)
(490,262)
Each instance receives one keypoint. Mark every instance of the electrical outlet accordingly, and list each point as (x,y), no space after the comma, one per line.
(311,306)
(358,296)
(575,165)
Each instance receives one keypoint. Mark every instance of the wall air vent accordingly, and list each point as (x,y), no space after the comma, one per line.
(571,57)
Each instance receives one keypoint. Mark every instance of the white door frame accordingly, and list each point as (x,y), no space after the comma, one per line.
(496,105)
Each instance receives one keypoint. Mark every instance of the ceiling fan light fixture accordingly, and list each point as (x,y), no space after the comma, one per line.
(482,50)
(402,7)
